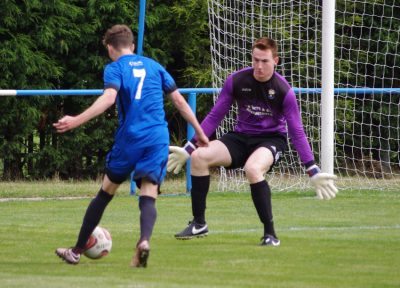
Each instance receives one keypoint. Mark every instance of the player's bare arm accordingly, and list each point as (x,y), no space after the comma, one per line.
(184,109)
(105,101)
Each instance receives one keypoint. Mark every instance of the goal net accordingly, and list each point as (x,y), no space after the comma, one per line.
(367,121)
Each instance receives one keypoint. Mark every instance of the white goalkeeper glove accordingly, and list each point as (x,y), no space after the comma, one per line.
(323,183)
(178,156)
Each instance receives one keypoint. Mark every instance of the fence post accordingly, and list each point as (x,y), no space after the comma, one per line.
(190,134)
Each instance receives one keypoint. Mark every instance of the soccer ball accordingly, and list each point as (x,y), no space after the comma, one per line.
(99,244)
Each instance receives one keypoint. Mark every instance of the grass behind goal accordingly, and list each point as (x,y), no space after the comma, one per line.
(352,241)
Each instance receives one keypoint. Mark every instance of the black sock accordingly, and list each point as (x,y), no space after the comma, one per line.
(261,195)
(92,217)
(200,186)
(148,216)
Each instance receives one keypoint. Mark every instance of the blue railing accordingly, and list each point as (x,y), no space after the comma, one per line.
(192,95)
(83,92)
(191,92)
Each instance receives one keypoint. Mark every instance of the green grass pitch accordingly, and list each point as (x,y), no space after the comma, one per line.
(351,241)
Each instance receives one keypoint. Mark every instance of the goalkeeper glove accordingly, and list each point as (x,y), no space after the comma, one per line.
(323,183)
(178,156)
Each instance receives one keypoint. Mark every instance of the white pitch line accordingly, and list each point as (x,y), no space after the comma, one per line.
(305,228)
(309,228)
(375,227)
(42,198)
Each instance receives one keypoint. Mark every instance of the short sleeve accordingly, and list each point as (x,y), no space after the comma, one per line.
(112,77)
(168,83)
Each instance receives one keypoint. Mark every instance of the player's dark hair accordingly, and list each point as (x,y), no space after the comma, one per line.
(118,36)
(265,43)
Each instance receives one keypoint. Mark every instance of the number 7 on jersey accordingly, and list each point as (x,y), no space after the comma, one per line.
(139,73)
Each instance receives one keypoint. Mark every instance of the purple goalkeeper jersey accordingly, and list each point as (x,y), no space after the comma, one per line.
(263,108)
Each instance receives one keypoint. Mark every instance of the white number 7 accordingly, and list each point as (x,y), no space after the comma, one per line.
(139,73)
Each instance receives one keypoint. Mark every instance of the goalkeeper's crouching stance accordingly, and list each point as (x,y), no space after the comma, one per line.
(266,106)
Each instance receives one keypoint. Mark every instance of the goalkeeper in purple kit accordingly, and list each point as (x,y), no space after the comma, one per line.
(267,112)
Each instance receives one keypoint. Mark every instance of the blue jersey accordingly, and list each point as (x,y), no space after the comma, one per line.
(141,84)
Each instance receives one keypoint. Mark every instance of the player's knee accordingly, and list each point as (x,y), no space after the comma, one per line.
(199,160)
(254,171)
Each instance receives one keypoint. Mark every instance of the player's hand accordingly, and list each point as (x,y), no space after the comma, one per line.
(178,156)
(66,123)
(202,140)
(324,183)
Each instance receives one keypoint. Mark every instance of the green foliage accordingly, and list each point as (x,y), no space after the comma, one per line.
(368,61)
(57,45)
(177,36)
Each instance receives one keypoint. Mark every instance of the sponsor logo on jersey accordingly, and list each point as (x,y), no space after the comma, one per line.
(135,63)
(259,111)
(271,94)
(245,89)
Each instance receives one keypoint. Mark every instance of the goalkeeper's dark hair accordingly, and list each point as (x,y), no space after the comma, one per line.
(265,43)
(118,36)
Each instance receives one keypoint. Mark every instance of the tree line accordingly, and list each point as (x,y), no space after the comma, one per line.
(57,45)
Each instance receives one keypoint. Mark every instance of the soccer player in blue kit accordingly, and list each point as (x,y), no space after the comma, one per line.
(266,106)
(137,85)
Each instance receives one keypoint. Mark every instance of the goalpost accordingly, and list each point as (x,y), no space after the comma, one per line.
(365,134)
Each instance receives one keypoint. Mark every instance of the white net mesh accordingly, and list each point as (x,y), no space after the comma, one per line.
(367,36)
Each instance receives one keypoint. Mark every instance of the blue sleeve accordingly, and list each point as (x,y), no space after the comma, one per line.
(112,77)
(168,83)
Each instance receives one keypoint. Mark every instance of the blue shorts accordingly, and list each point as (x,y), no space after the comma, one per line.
(146,162)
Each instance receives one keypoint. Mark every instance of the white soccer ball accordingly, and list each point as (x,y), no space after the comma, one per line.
(99,244)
